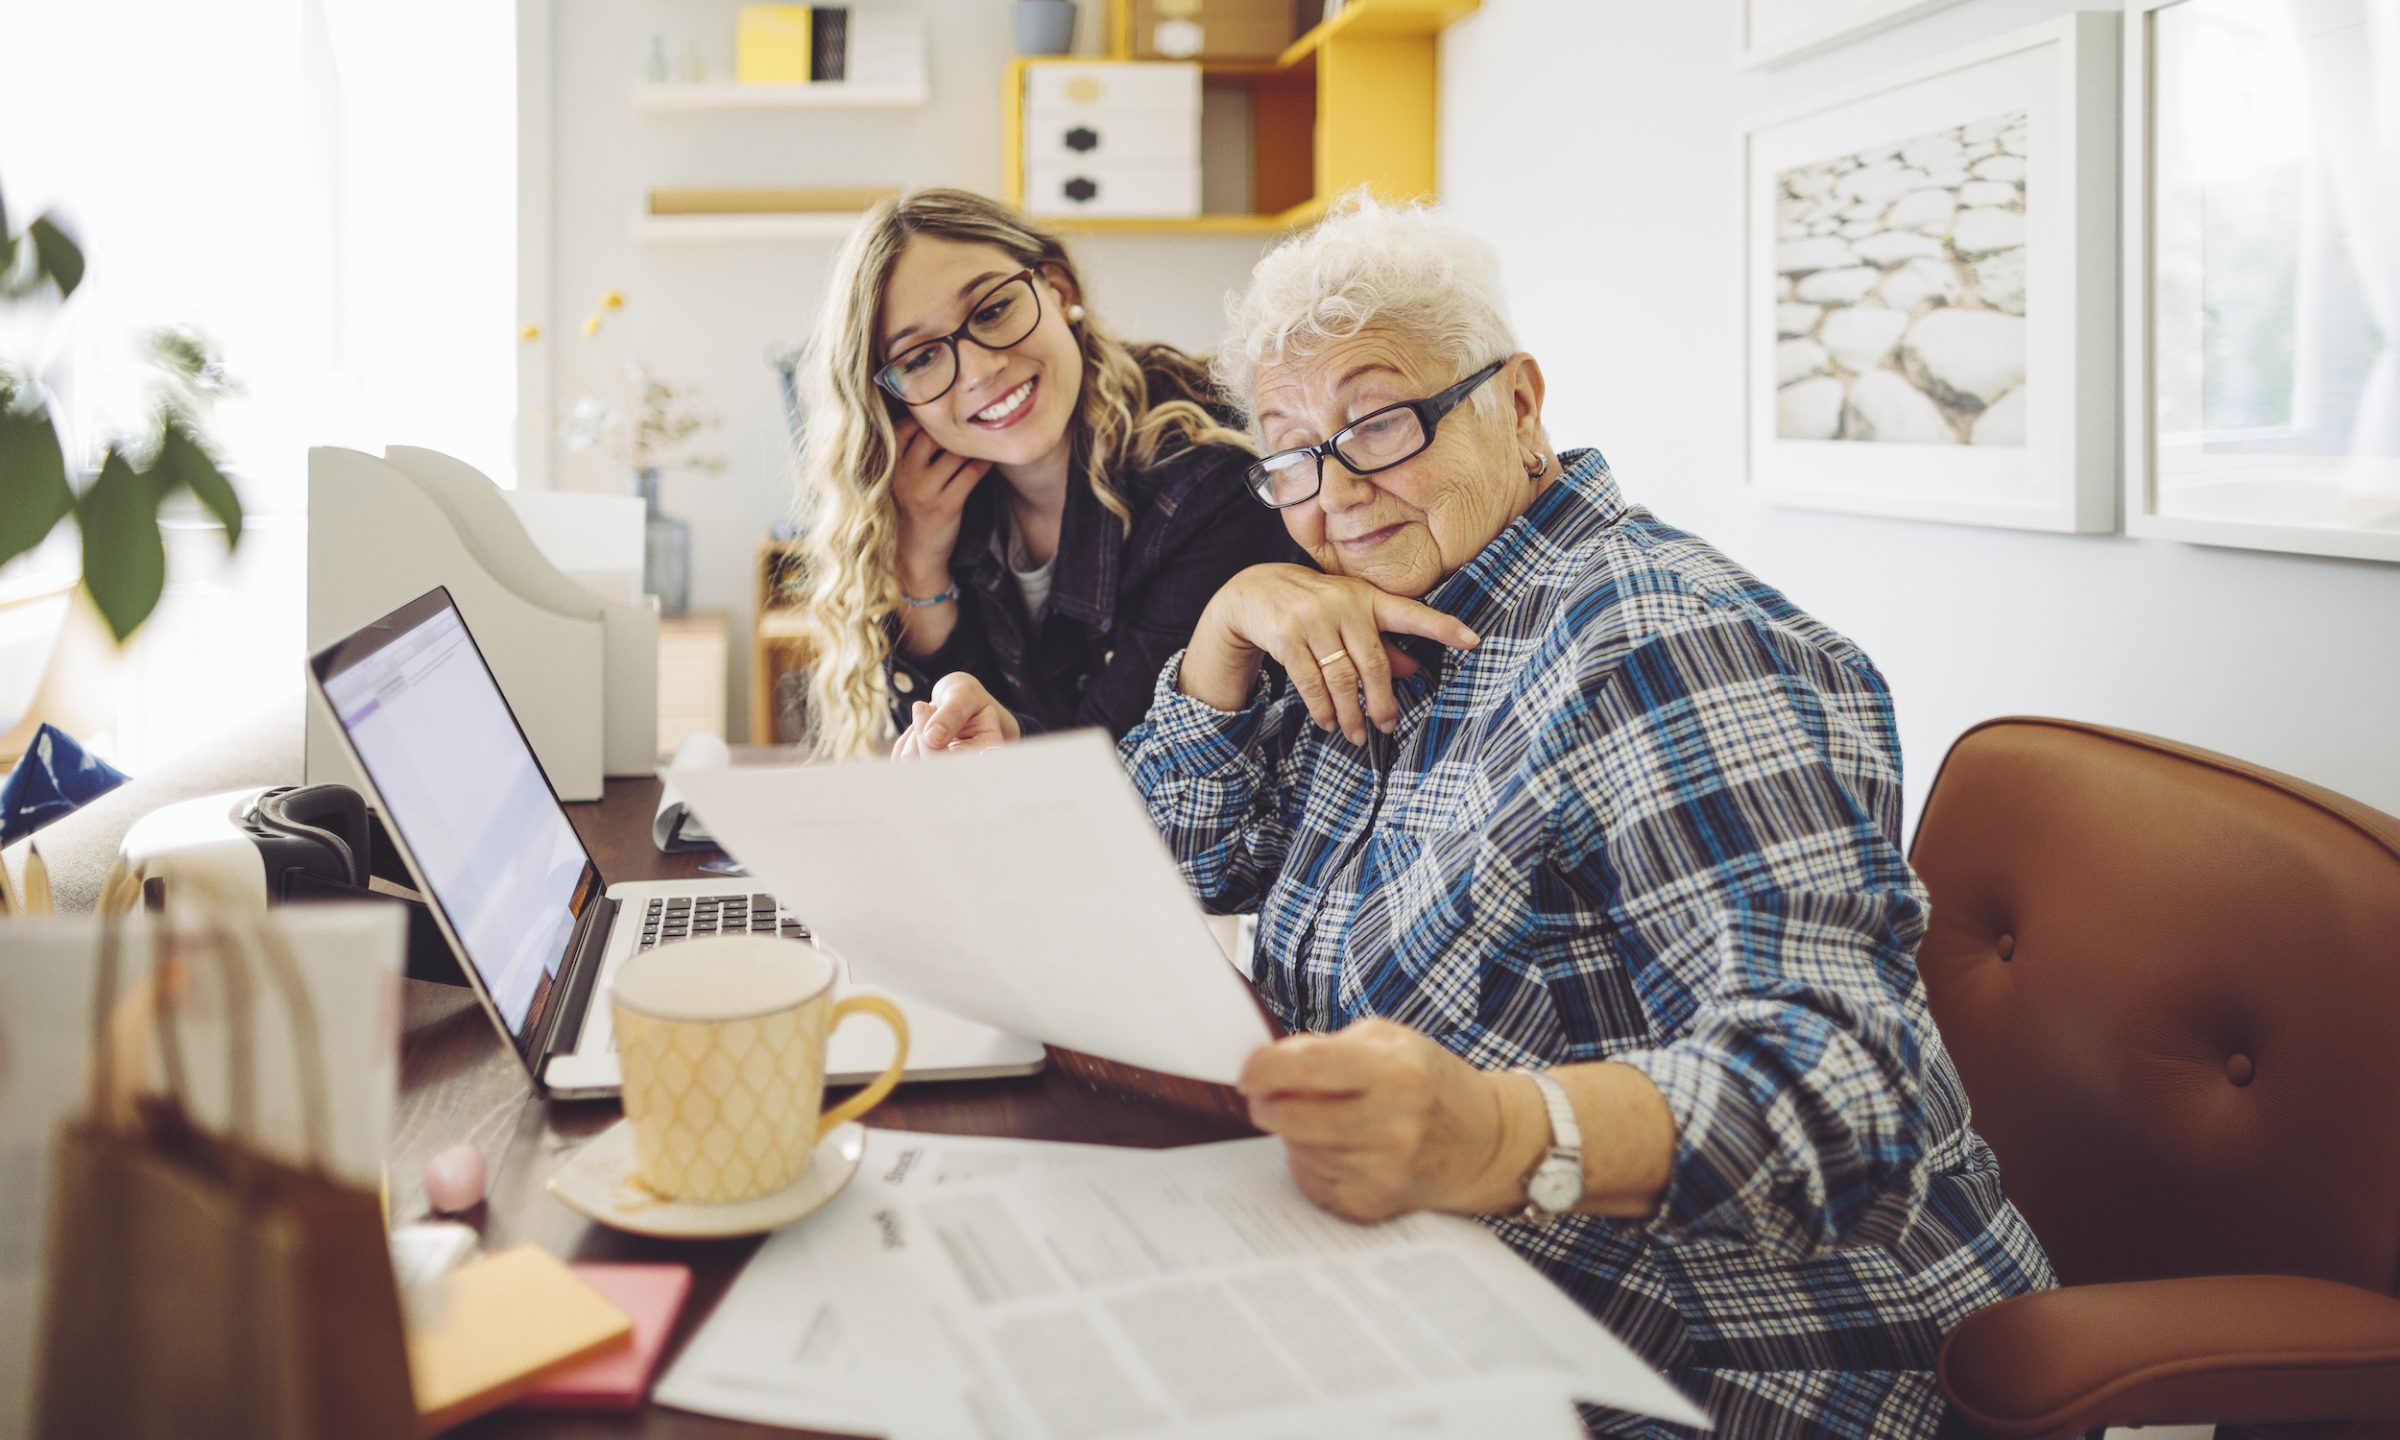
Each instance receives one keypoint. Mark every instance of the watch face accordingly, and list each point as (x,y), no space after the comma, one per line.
(1556,1186)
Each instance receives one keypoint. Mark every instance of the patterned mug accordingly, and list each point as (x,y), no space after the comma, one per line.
(722,1039)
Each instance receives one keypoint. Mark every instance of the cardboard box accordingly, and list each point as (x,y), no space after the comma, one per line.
(1213,29)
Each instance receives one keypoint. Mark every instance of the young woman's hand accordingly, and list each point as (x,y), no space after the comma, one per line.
(1327,633)
(963,716)
(930,487)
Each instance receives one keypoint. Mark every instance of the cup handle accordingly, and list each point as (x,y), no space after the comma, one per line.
(881,1086)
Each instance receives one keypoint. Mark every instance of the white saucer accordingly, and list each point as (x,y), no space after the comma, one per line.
(598,1181)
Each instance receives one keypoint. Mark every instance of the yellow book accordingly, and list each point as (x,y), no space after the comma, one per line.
(771,45)
(501,1326)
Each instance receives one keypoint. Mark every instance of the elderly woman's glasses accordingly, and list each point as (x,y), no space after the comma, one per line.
(1377,440)
(924,373)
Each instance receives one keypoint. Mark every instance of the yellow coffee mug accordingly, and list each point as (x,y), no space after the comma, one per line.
(722,1041)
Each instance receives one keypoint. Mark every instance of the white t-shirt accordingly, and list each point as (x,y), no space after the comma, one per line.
(1033,581)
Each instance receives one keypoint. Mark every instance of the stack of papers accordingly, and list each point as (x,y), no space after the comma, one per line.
(1021,1289)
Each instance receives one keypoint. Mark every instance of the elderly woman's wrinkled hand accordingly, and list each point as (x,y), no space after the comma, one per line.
(1379,1121)
(1326,631)
(963,716)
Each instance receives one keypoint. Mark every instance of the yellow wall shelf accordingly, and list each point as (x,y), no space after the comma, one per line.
(1349,103)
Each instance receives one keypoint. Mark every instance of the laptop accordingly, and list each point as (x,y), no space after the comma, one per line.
(536,926)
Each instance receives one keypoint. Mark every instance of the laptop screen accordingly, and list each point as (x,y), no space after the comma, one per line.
(461,787)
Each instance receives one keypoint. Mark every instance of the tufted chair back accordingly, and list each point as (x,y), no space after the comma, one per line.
(2171,984)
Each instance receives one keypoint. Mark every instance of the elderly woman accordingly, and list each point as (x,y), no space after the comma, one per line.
(1576,852)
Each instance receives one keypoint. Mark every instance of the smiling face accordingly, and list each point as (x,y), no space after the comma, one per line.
(1011,406)
(1406,529)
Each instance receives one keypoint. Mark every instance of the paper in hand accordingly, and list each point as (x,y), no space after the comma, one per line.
(1022,887)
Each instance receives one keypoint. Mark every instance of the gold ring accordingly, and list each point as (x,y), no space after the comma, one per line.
(1325,660)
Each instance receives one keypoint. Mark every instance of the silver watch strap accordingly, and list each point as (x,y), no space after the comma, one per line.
(1564,1134)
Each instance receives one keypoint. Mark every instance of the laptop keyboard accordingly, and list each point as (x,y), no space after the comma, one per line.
(689,915)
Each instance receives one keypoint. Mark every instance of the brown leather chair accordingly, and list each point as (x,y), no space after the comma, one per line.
(2171,984)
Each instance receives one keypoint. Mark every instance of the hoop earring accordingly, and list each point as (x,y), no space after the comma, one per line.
(1074,314)
(1534,469)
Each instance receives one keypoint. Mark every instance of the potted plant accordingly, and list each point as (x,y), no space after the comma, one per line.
(115,504)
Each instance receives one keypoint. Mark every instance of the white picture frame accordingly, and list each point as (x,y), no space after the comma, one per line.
(1975,417)
(2221,450)
(1777,32)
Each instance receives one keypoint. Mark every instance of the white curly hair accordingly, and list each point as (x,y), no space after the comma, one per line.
(1409,270)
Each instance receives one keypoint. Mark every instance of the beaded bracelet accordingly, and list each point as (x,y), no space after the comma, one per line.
(942,599)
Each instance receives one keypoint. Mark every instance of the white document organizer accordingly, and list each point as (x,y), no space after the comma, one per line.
(1113,139)
(579,670)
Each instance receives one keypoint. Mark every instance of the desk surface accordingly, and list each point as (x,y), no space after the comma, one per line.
(457,1082)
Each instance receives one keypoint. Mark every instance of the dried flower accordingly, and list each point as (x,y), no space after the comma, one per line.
(652,423)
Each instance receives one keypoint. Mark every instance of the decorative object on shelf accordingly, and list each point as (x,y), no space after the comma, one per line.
(2262,276)
(1044,27)
(772,44)
(657,71)
(650,426)
(115,506)
(693,70)
(1212,29)
(780,649)
(1776,32)
(1929,280)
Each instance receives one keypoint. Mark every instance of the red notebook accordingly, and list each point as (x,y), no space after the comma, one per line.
(619,1378)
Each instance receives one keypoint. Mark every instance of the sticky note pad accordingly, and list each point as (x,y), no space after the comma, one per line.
(500,1326)
(771,44)
(618,1378)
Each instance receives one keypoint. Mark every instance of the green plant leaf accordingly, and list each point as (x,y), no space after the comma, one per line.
(124,560)
(60,257)
(33,480)
(182,460)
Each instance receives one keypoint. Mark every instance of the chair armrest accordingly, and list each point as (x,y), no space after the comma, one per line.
(2231,1348)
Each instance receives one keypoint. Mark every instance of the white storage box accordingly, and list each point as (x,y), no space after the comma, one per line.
(1113,139)
(1136,189)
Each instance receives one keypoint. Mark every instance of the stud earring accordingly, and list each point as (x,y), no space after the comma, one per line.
(1074,314)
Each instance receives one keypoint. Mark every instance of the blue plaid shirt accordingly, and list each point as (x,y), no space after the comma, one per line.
(1653,818)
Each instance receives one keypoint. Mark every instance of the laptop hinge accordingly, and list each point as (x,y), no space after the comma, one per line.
(585,950)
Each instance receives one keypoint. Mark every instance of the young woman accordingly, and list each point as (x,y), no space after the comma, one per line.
(993,484)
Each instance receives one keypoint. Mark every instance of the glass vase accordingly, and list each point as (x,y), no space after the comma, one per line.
(666,552)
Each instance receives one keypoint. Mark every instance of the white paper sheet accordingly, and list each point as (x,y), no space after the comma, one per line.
(1015,1290)
(1022,887)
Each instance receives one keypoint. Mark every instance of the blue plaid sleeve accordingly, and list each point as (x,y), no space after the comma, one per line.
(1220,786)
(1733,810)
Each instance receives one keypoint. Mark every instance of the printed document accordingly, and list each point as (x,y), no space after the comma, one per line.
(1022,887)
(1023,1291)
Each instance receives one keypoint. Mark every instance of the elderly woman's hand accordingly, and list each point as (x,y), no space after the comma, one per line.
(1327,633)
(963,716)
(1380,1121)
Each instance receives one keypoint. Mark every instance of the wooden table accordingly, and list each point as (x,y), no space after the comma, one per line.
(458,1082)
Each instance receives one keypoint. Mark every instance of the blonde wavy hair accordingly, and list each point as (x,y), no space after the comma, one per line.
(849,531)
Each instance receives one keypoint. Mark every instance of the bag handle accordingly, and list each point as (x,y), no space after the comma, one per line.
(118,892)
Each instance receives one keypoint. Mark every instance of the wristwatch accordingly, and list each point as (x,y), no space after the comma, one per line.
(1556,1183)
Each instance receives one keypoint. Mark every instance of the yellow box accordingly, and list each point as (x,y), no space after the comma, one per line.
(771,44)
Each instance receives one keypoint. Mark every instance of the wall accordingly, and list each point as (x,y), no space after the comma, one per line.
(707,313)
(1597,144)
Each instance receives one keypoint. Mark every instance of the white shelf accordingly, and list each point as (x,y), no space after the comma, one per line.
(677,228)
(652,98)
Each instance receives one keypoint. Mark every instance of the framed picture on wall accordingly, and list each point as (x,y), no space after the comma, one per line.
(2262,274)
(1930,288)
(1776,31)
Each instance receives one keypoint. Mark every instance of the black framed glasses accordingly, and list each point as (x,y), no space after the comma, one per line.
(1377,440)
(924,372)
